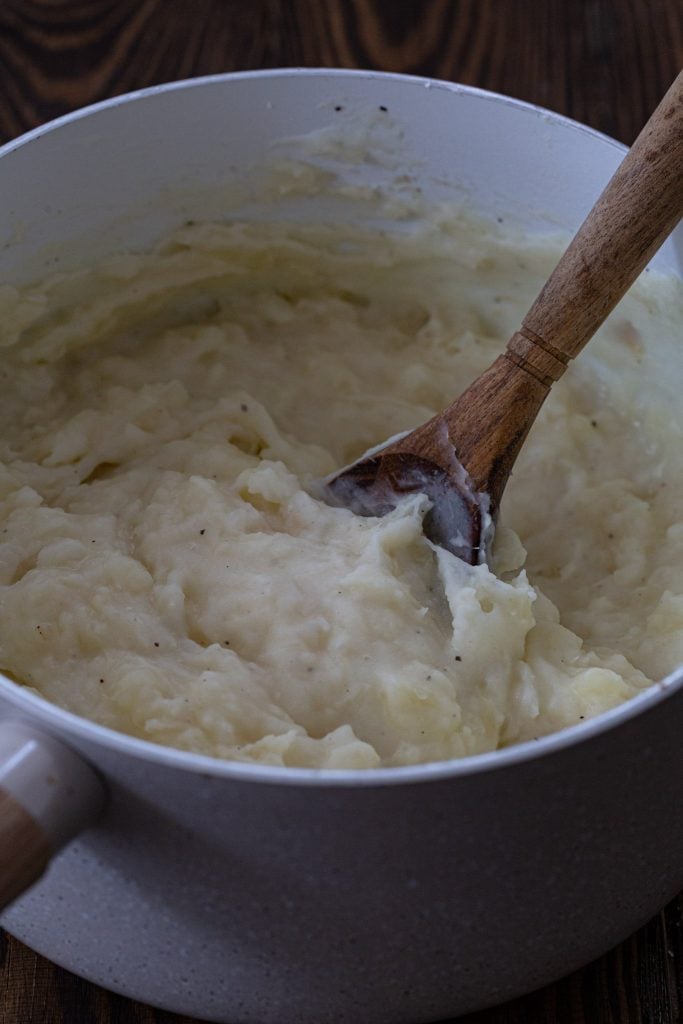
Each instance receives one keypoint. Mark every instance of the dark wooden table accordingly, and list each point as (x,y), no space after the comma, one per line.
(604,62)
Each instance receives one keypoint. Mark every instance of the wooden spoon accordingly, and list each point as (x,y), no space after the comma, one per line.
(486,426)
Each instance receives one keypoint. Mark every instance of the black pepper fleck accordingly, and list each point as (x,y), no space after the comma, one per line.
(156,643)
(202,532)
(338,109)
(383,109)
(458,658)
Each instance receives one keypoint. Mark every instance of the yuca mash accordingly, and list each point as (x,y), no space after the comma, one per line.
(165,571)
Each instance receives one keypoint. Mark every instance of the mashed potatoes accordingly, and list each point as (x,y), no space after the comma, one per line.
(165,571)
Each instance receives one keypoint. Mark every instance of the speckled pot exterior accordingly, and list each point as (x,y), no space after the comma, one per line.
(249,895)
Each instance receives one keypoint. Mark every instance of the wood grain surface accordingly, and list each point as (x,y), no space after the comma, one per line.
(603,62)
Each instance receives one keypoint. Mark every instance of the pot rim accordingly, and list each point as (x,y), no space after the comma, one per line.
(304,72)
(32,705)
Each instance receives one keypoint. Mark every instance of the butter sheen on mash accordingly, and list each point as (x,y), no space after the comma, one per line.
(166,571)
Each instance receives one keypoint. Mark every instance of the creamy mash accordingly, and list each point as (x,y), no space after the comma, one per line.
(166,571)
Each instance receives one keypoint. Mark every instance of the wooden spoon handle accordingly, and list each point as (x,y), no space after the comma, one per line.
(640,206)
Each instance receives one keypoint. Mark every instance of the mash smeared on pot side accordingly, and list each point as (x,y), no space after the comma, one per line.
(166,571)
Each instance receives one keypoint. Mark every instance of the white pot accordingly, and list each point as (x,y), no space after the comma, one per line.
(249,894)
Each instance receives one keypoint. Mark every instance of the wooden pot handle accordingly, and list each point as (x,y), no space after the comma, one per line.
(640,206)
(47,795)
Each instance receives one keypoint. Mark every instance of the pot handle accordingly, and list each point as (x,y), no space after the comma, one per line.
(47,795)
